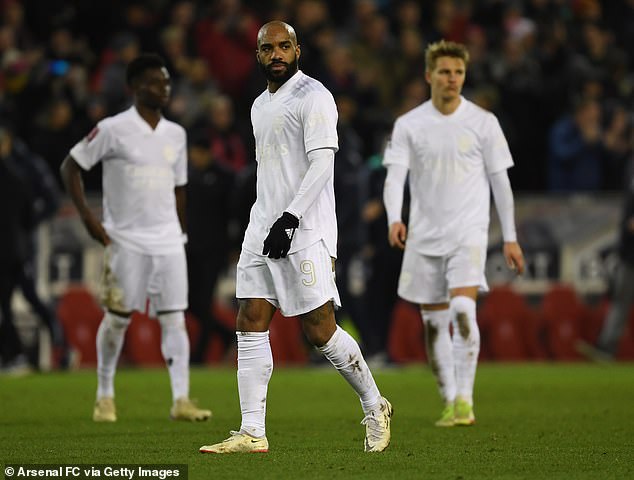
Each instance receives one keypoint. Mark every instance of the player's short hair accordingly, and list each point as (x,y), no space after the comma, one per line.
(138,66)
(443,48)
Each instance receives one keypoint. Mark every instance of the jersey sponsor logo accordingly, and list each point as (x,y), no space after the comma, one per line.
(149,177)
(93,133)
(269,151)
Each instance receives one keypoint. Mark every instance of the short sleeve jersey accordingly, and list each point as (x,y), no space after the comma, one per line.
(449,158)
(299,117)
(141,167)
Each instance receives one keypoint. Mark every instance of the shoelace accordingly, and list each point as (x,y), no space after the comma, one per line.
(375,426)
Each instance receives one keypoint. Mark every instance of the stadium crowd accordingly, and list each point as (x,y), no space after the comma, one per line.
(557,73)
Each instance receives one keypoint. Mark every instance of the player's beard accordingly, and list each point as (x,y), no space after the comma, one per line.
(291,69)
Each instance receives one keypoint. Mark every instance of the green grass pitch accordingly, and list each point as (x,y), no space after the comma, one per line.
(534,421)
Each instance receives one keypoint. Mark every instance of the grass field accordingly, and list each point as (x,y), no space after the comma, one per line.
(534,422)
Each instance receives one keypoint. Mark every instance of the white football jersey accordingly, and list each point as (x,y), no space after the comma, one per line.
(299,117)
(448,157)
(141,167)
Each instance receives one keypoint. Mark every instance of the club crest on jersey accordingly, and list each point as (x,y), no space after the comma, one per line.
(93,133)
(465,142)
(169,154)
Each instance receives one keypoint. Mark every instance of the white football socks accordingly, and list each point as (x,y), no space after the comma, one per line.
(440,351)
(175,349)
(110,337)
(255,367)
(344,353)
(466,344)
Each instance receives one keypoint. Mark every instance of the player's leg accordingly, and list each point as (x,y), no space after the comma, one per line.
(423,281)
(466,348)
(436,319)
(256,294)
(344,353)
(465,273)
(168,293)
(110,336)
(123,272)
(307,289)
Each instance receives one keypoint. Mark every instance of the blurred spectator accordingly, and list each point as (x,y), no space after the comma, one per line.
(17,222)
(600,59)
(339,74)
(35,174)
(210,185)
(384,264)
(409,61)
(112,85)
(449,21)
(520,81)
(408,16)
(584,155)
(226,142)
(13,19)
(174,49)
(54,133)
(373,51)
(225,38)
(192,94)
(310,17)
(607,345)
(140,19)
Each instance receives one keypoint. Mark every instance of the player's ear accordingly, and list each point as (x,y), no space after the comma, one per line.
(428,76)
(298,51)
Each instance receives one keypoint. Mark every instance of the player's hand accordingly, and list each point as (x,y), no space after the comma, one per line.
(397,235)
(278,241)
(96,230)
(514,257)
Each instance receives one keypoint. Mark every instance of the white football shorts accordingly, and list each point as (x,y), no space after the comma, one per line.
(297,284)
(130,278)
(428,279)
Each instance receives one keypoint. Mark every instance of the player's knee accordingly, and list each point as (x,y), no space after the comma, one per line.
(463,312)
(116,321)
(252,317)
(319,325)
(435,321)
(172,320)
(317,335)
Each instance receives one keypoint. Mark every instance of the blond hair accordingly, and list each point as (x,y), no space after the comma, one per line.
(444,49)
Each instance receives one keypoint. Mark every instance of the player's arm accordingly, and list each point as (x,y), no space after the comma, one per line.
(181,198)
(320,171)
(393,200)
(72,178)
(504,204)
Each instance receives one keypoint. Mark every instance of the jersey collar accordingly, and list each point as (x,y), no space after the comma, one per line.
(140,121)
(287,85)
(456,113)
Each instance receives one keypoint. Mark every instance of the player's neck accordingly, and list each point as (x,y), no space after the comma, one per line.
(274,86)
(151,115)
(446,106)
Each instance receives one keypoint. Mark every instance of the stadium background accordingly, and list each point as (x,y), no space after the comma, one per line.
(536,63)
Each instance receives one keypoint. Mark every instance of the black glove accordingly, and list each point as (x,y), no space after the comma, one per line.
(278,241)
